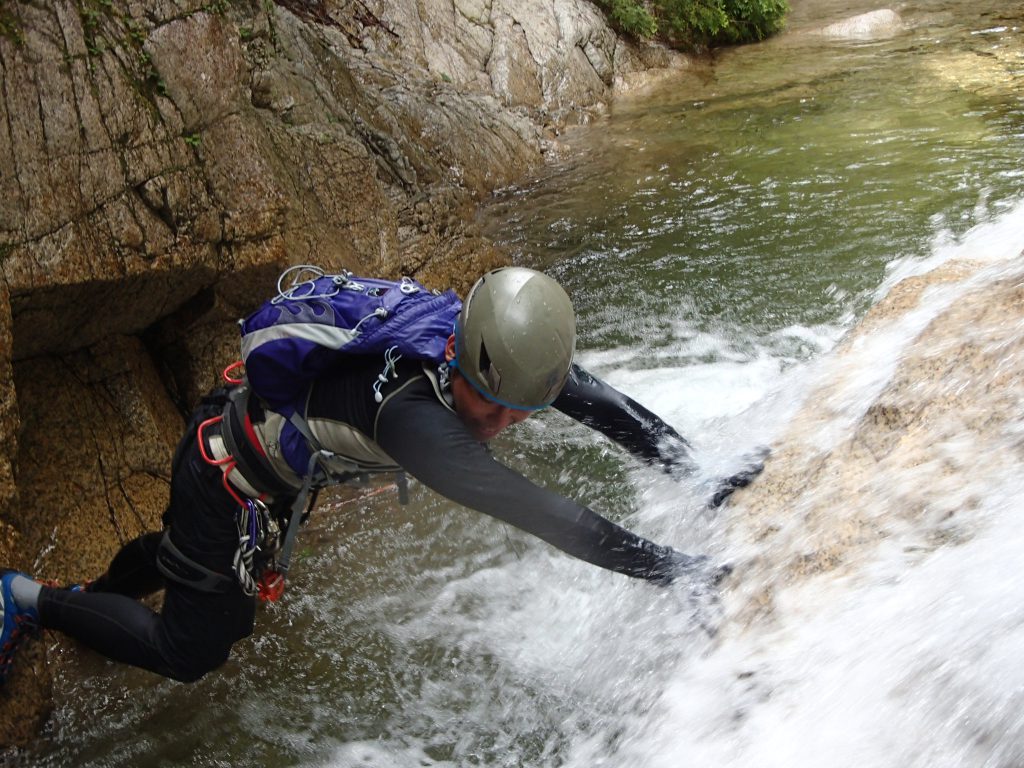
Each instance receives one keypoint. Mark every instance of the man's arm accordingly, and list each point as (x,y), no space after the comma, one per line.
(431,444)
(600,406)
(643,433)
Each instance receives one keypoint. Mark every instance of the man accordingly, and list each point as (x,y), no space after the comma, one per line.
(511,355)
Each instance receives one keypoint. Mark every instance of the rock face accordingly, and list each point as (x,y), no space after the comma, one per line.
(560,58)
(161,163)
(929,390)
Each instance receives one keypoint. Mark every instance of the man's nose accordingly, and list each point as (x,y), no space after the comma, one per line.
(510,416)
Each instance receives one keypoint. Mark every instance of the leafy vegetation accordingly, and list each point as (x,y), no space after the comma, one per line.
(696,23)
(93,14)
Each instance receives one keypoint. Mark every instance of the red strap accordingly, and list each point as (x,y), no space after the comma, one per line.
(202,443)
(250,432)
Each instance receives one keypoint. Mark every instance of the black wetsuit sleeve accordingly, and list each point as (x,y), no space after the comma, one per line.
(600,406)
(431,444)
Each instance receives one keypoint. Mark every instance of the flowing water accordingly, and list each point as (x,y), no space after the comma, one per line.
(719,236)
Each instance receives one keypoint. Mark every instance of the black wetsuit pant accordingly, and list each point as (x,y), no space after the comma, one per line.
(194,631)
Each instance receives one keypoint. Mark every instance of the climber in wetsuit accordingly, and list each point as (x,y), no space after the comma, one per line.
(511,355)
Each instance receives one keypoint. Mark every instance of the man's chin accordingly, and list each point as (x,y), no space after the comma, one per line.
(485,435)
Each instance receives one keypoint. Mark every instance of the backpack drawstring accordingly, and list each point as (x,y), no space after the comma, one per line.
(379,312)
(391,358)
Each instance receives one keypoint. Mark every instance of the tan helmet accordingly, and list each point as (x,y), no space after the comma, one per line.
(515,338)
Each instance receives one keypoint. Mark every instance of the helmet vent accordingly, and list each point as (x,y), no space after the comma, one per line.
(485,359)
(487,370)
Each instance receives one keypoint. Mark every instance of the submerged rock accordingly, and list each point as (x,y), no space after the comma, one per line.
(866,26)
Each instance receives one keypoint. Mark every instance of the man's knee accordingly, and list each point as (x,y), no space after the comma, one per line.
(191,667)
(204,643)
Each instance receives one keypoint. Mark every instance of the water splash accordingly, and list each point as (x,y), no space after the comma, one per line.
(905,655)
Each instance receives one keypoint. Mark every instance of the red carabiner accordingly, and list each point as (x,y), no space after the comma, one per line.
(270,587)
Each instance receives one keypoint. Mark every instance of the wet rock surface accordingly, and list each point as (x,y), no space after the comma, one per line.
(946,384)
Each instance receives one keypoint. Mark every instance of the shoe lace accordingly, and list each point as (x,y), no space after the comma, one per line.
(24,627)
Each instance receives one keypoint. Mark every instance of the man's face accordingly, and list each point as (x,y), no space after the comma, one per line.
(484,419)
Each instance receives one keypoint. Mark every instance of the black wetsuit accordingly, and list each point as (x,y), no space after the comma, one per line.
(416,427)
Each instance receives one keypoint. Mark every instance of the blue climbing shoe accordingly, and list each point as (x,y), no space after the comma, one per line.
(17,623)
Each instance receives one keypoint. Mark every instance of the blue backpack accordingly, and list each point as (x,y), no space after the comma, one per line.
(318,319)
(314,323)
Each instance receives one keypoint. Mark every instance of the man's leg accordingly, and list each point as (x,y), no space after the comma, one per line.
(195,629)
(191,636)
(132,572)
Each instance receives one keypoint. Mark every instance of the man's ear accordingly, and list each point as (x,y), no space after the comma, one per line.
(449,349)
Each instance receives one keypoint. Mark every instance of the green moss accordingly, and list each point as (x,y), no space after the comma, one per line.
(217,7)
(136,32)
(152,83)
(10,27)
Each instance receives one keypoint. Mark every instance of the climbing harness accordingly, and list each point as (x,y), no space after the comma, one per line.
(259,534)
(176,566)
(248,478)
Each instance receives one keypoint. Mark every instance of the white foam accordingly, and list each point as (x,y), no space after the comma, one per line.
(913,662)
(995,240)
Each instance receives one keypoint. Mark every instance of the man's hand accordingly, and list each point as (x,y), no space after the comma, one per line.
(694,570)
(674,454)
(743,478)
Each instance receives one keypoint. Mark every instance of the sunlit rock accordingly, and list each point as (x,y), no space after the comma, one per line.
(866,26)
